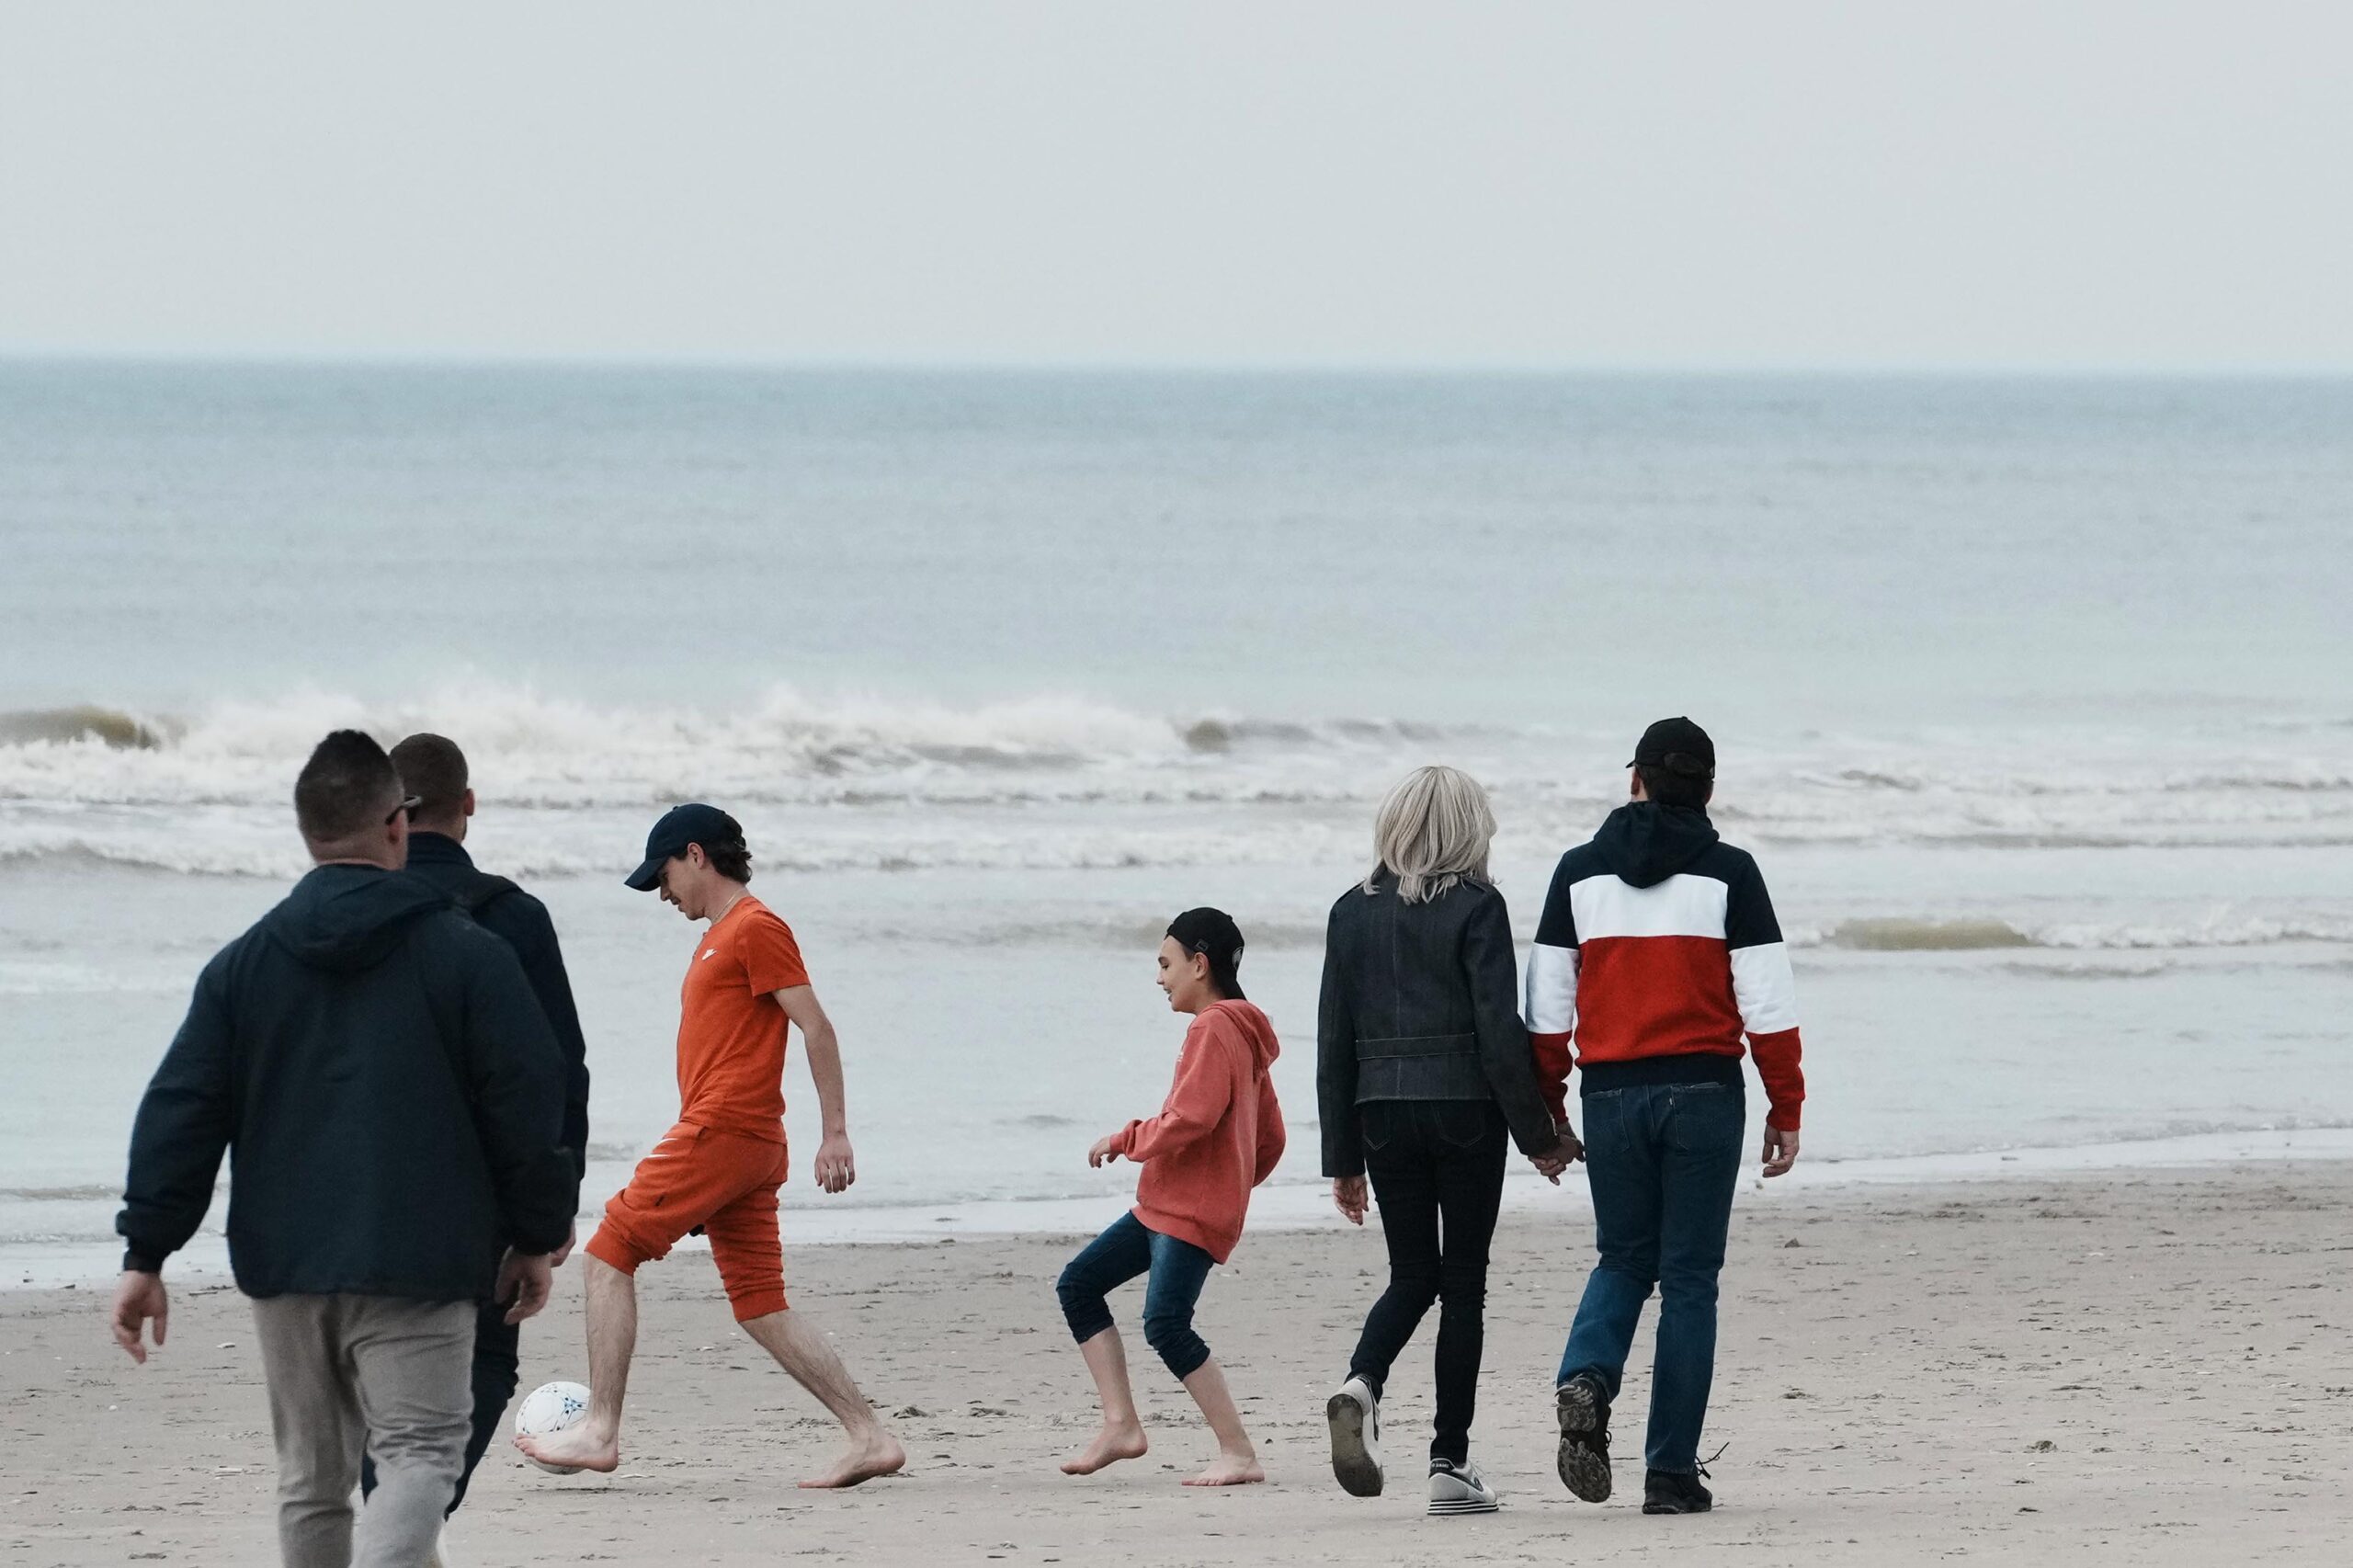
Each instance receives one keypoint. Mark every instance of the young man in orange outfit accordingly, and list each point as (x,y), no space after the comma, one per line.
(1217,1135)
(719,1168)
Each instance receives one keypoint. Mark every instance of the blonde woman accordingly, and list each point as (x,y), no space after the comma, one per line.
(1424,1072)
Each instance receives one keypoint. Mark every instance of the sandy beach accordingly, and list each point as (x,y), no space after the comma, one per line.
(2111,1368)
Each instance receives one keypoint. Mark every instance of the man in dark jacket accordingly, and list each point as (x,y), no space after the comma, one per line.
(433,771)
(394,1102)
(1659,954)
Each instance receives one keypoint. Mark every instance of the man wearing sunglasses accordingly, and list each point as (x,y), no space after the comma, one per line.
(394,1100)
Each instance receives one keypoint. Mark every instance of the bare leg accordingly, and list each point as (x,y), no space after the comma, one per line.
(1237,1462)
(595,1442)
(1123,1433)
(801,1349)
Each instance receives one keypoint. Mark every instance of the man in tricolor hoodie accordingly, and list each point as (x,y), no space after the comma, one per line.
(1657,954)
(1217,1136)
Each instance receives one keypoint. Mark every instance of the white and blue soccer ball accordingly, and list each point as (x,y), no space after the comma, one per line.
(550,1408)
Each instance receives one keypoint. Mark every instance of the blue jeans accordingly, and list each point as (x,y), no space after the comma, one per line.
(1662,1160)
(1179,1270)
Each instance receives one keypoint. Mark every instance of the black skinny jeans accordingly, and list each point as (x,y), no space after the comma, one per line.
(1438,1174)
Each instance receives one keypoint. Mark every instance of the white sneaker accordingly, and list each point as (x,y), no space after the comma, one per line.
(1459,1489)
(1354,1414)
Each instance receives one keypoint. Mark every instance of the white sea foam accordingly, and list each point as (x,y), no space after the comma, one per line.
(1051,781)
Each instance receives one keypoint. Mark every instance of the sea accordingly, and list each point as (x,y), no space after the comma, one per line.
(2034,698)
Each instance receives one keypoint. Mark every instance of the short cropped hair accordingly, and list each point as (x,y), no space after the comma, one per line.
(345,789)
(1671,788)
(1432,832)
(433,770)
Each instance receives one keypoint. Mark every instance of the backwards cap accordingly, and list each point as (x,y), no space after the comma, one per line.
(1211,932)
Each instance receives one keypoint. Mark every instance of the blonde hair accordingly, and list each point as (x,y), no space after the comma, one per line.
(1432,832)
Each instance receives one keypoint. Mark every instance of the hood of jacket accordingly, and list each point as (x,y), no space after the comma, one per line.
(1644,843)
(349,918)
(1254,1026)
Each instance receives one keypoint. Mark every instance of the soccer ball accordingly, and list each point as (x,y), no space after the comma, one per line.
(548,1408)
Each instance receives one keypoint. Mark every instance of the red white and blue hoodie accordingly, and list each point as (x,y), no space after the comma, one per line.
(1658,953)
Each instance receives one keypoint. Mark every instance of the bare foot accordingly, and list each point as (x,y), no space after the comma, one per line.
(877,1455)
(1110,1446)
(575,1447)
(1230,1470)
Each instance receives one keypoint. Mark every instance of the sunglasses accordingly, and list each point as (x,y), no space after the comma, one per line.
(408,803)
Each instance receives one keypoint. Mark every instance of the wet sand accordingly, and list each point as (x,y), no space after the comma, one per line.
(2117,1368)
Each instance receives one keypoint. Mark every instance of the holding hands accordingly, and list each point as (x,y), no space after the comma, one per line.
(1563,1155)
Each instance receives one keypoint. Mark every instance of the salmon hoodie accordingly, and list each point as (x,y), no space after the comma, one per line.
(1217,1135)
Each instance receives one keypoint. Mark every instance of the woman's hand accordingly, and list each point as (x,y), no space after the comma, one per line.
(1103,1151)
(1562,1155)
(1349,1198)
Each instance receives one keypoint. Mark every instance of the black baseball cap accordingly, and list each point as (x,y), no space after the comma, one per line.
(1211,932)
(681,825)
(1679,746)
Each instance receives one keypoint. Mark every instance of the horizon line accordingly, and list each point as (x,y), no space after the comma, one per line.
(1271,369)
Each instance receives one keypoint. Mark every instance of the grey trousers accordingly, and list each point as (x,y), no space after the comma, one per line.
(373,1374)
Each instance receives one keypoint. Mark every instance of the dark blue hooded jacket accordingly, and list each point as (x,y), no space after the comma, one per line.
(386,1087)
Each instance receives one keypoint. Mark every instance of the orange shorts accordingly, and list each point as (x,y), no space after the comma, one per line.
(723,1182)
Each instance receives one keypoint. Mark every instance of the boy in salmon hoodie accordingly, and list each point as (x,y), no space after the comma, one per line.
(1217,1135)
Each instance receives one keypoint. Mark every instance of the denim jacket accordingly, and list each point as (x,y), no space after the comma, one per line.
(1421,1002)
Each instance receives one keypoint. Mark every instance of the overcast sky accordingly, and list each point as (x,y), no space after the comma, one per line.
(2064,185)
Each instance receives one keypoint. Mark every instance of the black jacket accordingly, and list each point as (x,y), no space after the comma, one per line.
(1421,1002)
(505,909)
(390,1097)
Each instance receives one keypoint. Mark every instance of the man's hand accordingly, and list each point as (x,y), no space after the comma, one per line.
(524,1280)
(1350,1197)
(1780,1151)
(1555,1163)
(837,1166)
(571,1239)
(1103,1151)
(139,1301)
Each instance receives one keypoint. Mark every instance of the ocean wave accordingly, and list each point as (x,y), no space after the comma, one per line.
(277,855)
(237,746)
(1047,781)
(555,753)
(1882,934)
(1888,935)
(65,726)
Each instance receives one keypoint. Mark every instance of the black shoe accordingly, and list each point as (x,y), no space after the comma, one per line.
(1582,1406)
(1664,1492)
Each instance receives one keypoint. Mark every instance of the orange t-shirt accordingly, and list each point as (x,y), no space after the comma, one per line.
(731,1027)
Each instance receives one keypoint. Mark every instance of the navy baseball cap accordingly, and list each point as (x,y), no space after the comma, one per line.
(1679,746)
(681,825)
